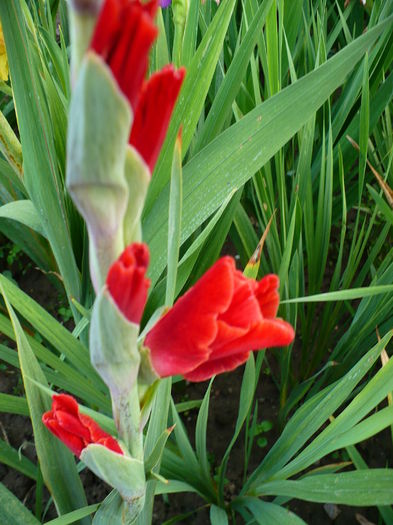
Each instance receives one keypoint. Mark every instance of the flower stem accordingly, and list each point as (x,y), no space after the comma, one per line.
(127,416)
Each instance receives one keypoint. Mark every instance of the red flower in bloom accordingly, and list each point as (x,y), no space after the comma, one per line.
(215,325)
(123,36)
(127,283)
(74,429)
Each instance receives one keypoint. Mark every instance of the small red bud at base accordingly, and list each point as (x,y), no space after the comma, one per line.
(76,430)
(127,283)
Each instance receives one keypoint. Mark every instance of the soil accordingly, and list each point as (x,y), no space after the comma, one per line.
(16,430)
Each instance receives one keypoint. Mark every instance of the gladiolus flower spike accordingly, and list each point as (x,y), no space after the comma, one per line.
(127,283)
(215,325)
(123,36)
(76,430)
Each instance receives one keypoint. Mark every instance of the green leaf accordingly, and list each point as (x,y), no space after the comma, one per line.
(10,146)
(110,510)
(269,513)
(246,396)
(200,433)
(13,405)
(365,429)
(73,516)
(160,56)
(24,212)
(218,516)
(174,222)
(60,374)
(382,204)
(185,406)
(190,33)
(12,511)
(314,413)
(235,155)
(339,432)
(360,488)
(229,87)
(173,487)
(385,511)
(156,455)
(11,457)
(41,171)
(49,328)
(157,424)
(192,96)
(343,295)
(184,444)
(56,462)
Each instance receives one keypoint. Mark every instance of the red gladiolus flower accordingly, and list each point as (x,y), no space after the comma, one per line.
(215,325)
(153,113)
(123,36)
(127,283)
(75,430)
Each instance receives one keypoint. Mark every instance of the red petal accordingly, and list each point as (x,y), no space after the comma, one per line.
(72,424)
(74,443)
(127,283)
(244,309)
(267,333)
(66,403)
(95,431)
(271,332)
(235,352)
(267,295)
(111,443)
(123,36)
(107,27)
(212,367)
(153,113)
(73,429)
(99,436)
(129,57)
(226,338)
(180,340)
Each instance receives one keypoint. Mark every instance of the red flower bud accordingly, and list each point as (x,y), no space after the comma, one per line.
(153,113)
(214,326)
(123,36)
(127,283)
(75,430)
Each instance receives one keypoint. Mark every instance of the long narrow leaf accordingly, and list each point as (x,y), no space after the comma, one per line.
(56,462)
(235,155)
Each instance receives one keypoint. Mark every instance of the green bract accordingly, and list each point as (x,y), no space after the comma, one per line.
(113,345)
(125,474)
(138,178)
(98,131)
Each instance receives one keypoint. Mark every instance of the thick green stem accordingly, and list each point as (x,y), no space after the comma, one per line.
(127,416)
